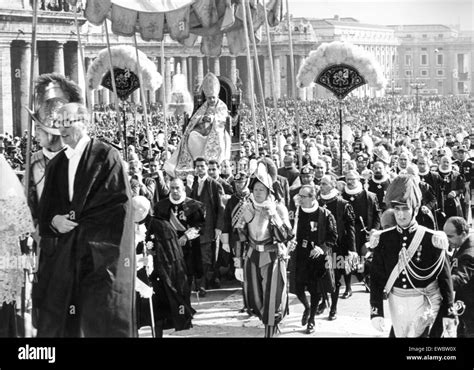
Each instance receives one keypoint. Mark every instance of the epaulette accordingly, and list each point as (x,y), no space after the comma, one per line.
(440,240)
(375,237)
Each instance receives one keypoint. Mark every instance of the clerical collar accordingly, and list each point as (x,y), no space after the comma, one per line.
(332,194)
(354,191)
(425,173)
(444,173)
(383,179)
(179,201)
(201,179)
(411,228)
(311,209)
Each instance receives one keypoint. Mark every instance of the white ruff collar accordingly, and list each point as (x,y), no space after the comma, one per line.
(425,173)
(333,193)
(311,209)
(265,203)
(383,179)
(179,201)
(355,191)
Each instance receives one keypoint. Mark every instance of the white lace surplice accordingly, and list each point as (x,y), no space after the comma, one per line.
(15,222)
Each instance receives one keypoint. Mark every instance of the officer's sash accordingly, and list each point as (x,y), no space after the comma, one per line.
(177,225)
(400,266)
(237,212)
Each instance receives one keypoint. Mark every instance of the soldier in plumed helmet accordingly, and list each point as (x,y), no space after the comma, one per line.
(410,268)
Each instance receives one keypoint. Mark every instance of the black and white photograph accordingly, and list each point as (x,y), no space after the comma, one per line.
(211,177)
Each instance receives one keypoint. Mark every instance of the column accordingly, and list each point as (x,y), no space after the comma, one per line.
(184,68)
(136,97)
(58,58)
(167,78)
(190,74)
(6,107)
(74,60)
(159,92)
(25,64)
(200,70)
(309,93)
(217,67)
(95,94)
(301,92)
(233,69)
(267,76)
(105,96)
(277,70)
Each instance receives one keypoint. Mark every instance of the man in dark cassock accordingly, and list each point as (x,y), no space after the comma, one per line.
(289,169)
(316,236)
(344,249)
(172,291)
(87,265)
(410,268)
(466,169)
(186,215)
(378,184)
(367,217)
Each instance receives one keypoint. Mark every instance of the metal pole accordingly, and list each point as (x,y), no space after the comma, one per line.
(340,135)
(81,52)
(31,97)
(259,78)
(250,71)
(163,86)
(142,91)
(293,86)
(114,87)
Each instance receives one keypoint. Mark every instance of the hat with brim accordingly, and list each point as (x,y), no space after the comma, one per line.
(49,129)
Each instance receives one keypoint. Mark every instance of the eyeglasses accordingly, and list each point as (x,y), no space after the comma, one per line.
(305,196)
(68,122)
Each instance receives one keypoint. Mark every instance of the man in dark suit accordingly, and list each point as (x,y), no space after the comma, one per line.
(209,192)
(462,273)
(289,170)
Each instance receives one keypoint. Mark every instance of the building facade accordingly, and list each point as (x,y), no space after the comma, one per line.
(439,56)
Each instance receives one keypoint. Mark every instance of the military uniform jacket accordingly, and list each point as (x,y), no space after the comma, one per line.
(386,254)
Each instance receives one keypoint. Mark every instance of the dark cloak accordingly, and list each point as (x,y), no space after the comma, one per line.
(86,277)
(172,293)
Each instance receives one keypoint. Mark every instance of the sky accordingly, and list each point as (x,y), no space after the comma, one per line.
(384,12)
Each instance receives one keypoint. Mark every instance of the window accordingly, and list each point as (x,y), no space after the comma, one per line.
(424,36)
(408,60)
(408,49)
(439,72)
(424,49)
(440,35)
(424,59)
(424,72)
(408,73)
(439,59)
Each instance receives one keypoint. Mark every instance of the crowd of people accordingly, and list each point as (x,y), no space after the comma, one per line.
(111,219)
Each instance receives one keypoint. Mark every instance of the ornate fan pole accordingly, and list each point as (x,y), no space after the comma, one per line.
(165,103)
(340,79)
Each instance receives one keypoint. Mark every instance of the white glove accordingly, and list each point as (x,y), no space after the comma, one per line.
(449,328)
(226,247)
(237,263)
(239,274)
(378,322)
(316,252)
(192,233)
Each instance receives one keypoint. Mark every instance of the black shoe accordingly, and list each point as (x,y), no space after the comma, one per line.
(310,327)
(304,319)
(332,315)
(321,308)
(347,294)
(367,284)
(202,292)
(216,284)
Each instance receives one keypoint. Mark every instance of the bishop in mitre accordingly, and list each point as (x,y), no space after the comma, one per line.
(206,135)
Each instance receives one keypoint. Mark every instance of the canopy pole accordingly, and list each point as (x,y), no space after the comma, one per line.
(250,72)
(259,77)
(114,88)
(272,75)
(31,97)
(293,85)
(142,91)
(81,52)
(163,86)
